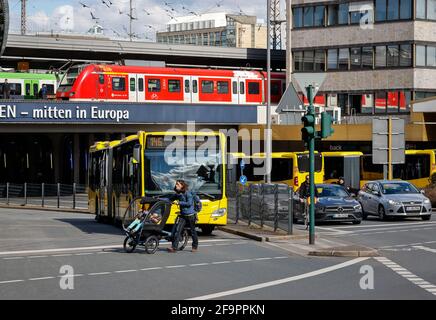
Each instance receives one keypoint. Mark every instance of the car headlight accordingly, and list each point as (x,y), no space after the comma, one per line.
(219,213)
(427,201)
(357,207)
(394,203)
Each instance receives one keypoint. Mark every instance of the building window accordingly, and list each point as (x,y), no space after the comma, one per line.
(392,56)
(343,13)
(380,10)
(308,16)
(319,16)
(332,59)
(431,9)
(380,56)
(206,86)
(431,56)
(405,55)
(404,101)
(344,58)
(153,85)
(319,60)
(367,58)
(393,9)
(173,85)
(420,9)
(367,103)
(380,102)
(118,84)
(332,11)
(405,9)
(298,61)
(420,56)
(392,101)
(356,61)
(308,61)
(298,17)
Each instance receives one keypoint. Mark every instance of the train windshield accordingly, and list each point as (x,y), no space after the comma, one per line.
(70,77)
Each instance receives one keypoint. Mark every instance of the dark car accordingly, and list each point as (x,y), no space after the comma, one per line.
(333,204)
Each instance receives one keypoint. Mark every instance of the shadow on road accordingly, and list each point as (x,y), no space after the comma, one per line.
(92,227)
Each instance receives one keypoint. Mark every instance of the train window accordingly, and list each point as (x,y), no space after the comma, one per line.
(194,86)
(153,85)
(118,84)
(35,90)
(27,89)
(15,89)
(275,89)
(50,88)
(241,87)
(173,85)
(206,86)
(132,84)
(235,87)
(253,88)
(140,85)
(187,86)
(101,78)
(223,87)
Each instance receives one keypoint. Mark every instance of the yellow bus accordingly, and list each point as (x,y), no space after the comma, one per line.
(149,163)
(290,168)
(100,179)
(342,164)
(418,168)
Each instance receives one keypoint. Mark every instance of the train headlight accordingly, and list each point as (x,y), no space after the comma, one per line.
(219,213)
(72,94)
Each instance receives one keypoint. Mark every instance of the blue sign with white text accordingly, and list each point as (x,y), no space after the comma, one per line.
(243,180)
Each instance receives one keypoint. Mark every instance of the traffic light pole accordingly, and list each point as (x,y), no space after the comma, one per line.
(311,145)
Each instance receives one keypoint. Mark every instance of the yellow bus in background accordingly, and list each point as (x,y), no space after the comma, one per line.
(149,163)
(342,164)
(418,168)
(290,168)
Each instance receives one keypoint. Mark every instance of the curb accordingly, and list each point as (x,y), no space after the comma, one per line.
(242,234)
(344,253)
(267,238)
(32,207)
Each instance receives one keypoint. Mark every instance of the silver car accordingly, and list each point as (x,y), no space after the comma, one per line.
(394,198)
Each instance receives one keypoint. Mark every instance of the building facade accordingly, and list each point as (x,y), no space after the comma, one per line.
(378,55)
(215,29)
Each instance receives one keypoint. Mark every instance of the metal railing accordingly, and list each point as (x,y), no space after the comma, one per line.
(263,204)
(71,196)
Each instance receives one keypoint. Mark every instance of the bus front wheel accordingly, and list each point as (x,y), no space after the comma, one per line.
(207,230)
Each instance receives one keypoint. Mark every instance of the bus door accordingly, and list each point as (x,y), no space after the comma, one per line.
(352,172)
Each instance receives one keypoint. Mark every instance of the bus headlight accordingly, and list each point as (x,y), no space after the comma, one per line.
(219,213)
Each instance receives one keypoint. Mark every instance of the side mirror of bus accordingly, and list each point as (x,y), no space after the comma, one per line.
(137,153)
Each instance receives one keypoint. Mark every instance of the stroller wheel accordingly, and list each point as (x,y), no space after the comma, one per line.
(151,244)
(129,244)
(183,240)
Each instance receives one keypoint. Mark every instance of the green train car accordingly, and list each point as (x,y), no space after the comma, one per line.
(27,85)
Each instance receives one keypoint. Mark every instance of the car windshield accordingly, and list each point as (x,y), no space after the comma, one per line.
(398,188)
(331,191)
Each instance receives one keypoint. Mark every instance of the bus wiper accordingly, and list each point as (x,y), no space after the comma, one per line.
(206,194)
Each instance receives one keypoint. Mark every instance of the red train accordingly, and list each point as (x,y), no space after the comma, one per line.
(116,83)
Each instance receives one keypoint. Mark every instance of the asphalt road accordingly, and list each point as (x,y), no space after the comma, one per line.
(36,248)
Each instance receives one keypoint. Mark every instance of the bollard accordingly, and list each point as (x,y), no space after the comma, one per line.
(237,204)
(59,194)
(290,210)
(250,196)
(276,207)
(25,193)
(74,195)
(7,193)
(42,194)
(261,196)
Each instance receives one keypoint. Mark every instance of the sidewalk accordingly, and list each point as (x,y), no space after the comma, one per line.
(298,242)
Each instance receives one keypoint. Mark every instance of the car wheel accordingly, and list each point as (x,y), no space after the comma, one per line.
(426,218)
(382,213)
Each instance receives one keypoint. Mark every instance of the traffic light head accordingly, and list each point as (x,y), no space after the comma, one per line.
(326,125)
(308,131)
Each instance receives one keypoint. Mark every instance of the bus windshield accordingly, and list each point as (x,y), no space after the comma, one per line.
(203,176)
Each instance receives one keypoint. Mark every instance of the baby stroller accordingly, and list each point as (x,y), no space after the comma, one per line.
(144,222)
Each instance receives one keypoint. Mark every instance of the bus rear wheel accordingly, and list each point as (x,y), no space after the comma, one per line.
(207,230)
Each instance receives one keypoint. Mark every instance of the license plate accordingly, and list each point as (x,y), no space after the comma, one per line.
(340,215)
(413,208)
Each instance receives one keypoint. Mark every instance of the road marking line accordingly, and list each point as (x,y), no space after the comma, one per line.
(221,262)
(178,266)
(386,225)
(198,264)
(60,250)
(152,268)
(83,254)
(62,255)
(425,248)
(280,281)
(282,257)
(259,259)
(34,257)
(11,281)
(243,260)
(98,273)
(13,258)
(124,271)
(410,276)
(42,278)
(72,275)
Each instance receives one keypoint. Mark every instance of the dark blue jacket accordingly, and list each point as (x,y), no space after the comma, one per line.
(186,202)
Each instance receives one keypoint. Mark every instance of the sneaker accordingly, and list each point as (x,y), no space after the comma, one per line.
(171,250)
(194,250)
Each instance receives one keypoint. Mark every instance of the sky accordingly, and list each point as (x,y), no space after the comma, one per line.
(152,15)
